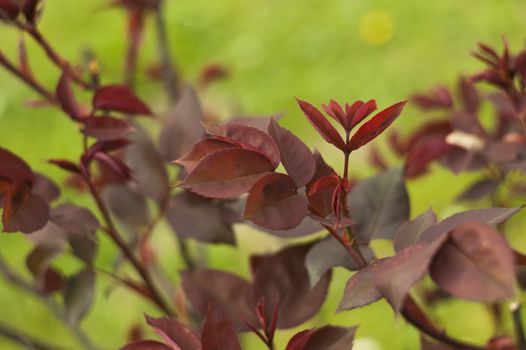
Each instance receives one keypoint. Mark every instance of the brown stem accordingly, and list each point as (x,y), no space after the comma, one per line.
(356,257)
(170,76)
(121,244)
(35,85)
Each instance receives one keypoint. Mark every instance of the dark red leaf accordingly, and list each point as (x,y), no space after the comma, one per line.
(200,150)
(296,157)
(438,98)
(27,216)
(469,94)
(422,154)
(45,188)
(66,97)
(409,232)
(375,126)
(218,332)
(322,125)
(273,202)
(479,190)
(14,169)
(362,112)
(47,279)
(119,98)
(247,137)
(115,166)
(10,8)
(146,345)
(331,338)
(227,173)
(106,128)
(299,340)
(336,112)
(66,165)
(230,294)
(322,195)
(203,219)
(174,332)
(284,274)
(30,10)
(475,263)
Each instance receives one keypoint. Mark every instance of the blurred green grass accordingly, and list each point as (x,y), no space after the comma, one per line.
(274,50)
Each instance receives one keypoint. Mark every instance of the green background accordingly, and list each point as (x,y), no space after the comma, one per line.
(274,51)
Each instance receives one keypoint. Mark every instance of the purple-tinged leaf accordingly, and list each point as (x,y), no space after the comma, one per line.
(299,340)
(469,95)
(175,333)
(66,97)
(273,202)
(147,345)
(128,205)
(247,137)
(78,295)
(475,263)
(230,294)
(14,168)
(45,188)
(47,279)
(114,165)
(479,190)
(307,226)
(322,125)
(409,232)
(106,128)
(374,127)
(328,253)
(323,195)
(379,205)
(119,98)
(295,155)
(203,219)
(182,127)
(227,173)
(331,338)
(29,216)
(218,332)
(66,165)
(438,98)
(284,274)
(362,112)
(200,150)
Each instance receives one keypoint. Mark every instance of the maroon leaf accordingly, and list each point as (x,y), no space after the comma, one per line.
(192,216)
(478,190)
(106,128)
(475,263)
(422,154)
(295,155)
(299,340)
(218,332)
(175,333)
(362,112)
(230,294)
(182,127)
(30,10)
(45,188)
(439,98)
(14,169)
(227,173)
(66,165)
(201,150)
(335,110)
(115,166)
(409,232)
(66,97)
(331,338)
(375,126)
(28,216)
(469,94)
(273,202)
(10,8)
(146,345)
(119,98)
(247,137)
(321,124)
(284,274)
(323,194)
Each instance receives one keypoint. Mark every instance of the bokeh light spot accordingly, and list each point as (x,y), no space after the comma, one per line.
(376,27)
(366,344)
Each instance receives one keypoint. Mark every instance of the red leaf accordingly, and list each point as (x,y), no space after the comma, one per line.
(28,216)
(218,332)
(66,97)
(175,333)
(119,98)
(331,338)
(227,173)
(336,111)
(296,157)
(115,165)
(200,150)
(273,203)
(14,169)
(321,195)
(10,8)
(247,137)
(362,112)
(299,340)
(375,126)
(106,128)
(321,124)
(66,165)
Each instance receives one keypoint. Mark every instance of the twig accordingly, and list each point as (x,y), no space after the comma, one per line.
(170,76)
(515,308)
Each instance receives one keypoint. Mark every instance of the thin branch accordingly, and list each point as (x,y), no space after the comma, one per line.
(170,76)
(518,324)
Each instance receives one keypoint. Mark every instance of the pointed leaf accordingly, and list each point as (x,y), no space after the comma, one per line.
(119,98)
(218,332)
(175,333)
(200,150)
(106,128)
(409,231)
(78,295)
(299,340)
(66,97)
(295,155)
(375,126)
(227,173)
(331,338)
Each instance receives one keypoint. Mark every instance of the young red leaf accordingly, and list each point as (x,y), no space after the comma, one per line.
(119,98)
(296,157)
(336,111)
(66,97)
(322,195)
(375,126)
(362,112)
(175,333)
(66,165)
(247,137)
(227,173)
(201,150)
(299,340)
(218,332)
(476,263)
(273,202)
(106,128)
(322,125)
